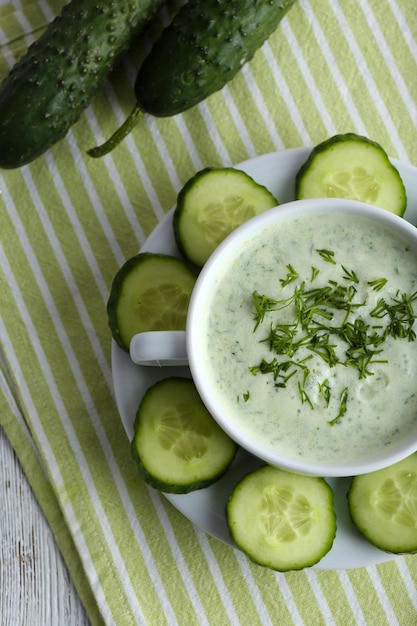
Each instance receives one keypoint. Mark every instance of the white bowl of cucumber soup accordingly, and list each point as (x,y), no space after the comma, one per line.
(301,338)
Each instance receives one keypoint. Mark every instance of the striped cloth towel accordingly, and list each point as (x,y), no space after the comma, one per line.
(67,224)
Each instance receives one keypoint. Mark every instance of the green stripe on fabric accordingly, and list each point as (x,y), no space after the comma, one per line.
(368,599)
(6,8)
(178,145)
(396,592)
(23,446)
(315,79)
(134,189)
(269,127)
(275,593)
(213,601)
(206,145)
(237,596)
(339,599)
(292,68)
(61,301)
(223,107)
(373,110)
(116,211)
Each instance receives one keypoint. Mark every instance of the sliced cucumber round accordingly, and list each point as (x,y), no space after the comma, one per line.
(383,506)
(177,445)
(355,167)
(282,520)
(149,292)
(211,205)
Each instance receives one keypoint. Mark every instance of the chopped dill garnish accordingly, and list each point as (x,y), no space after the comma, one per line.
(378,283)
(324,391)
(350,275)
(327,323)
(291,276)
(327,255)
(314,273)
(343,406)
(262,305)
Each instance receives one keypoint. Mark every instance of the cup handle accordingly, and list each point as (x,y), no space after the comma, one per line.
(159,347)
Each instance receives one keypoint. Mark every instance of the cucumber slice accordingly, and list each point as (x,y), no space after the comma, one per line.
(355,167)
(282,520)
(177,445)
(149,292)
(383,506)
(211,204)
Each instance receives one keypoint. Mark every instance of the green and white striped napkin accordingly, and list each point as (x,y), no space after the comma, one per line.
(68,222)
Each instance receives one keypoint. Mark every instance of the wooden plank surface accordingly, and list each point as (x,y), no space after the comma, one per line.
(35,587)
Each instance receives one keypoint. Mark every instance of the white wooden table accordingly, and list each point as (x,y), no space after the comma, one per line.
(35,587)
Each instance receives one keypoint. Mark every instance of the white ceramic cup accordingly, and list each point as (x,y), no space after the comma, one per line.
(162,348)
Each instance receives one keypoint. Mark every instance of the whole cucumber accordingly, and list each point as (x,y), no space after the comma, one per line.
(202,49)
(47,90)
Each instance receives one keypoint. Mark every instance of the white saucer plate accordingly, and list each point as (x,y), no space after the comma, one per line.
(206,507)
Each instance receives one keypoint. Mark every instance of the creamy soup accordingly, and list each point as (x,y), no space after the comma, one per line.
(310,338)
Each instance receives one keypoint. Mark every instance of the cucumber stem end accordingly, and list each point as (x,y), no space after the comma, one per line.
(118,135)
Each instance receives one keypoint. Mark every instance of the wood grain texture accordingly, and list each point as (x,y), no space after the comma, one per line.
(35,587)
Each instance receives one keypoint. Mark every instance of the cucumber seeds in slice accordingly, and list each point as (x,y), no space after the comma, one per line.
(149,292)
(211,204)
(177,445)
(282,520)
(383,506)
(354,167)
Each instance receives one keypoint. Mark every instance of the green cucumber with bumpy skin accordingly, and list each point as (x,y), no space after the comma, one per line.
(202,49)
(47,90)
